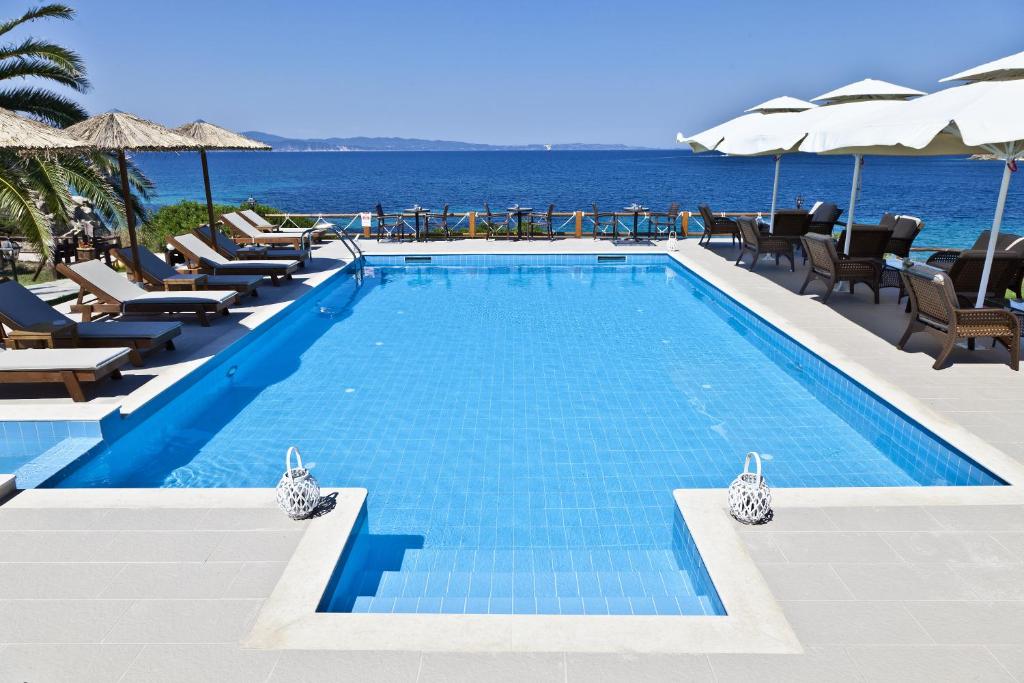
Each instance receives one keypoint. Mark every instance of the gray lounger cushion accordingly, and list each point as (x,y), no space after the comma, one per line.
(49,360)
(211,259)
(129,293)
(120,329)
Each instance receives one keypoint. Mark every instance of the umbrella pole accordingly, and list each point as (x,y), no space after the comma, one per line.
(209,199)
(775,193)
(129,214)
(857,162)
(993,235)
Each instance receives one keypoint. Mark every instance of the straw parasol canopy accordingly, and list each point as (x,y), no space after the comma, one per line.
(117,131)
(17,132)
(209,136)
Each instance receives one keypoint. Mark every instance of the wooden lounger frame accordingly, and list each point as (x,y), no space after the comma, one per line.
(72,379)
(197,263)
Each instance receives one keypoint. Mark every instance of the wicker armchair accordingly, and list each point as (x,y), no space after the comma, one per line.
(389,227)
(759,243)
(905,230)
(496,225)
(824,217)
(716,225)
(664,224)
(965,274)
(934,307)
(866,241)
(790,223)
(544,222)
(606,225)
(1005,242)
(828,267)
(438,221)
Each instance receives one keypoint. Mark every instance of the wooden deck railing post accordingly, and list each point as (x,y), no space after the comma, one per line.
(366,227)
(579,224)
(472,224)
(685,224)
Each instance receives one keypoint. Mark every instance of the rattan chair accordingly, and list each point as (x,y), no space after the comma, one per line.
(496,225)
(759,244)
(544,222)
(389,227)
(716,225)
(440,223)
(934,307)
(1005,242)
(664,224)
(866,241)
(606,225)
(826,265)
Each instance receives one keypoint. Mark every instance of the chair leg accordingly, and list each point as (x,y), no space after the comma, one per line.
(947,348)
(792,266)
(739,257)
(73,386)
(135,357)
(830,284)
(807,281)
(912,327)
(201,314)
(754,258)
(169,345)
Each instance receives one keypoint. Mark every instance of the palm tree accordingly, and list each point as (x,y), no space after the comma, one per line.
(35,189)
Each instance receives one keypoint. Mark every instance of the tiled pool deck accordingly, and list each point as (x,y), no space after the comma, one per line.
(890,584)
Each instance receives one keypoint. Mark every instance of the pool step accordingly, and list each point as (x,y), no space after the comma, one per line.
(538,559)
(599,592)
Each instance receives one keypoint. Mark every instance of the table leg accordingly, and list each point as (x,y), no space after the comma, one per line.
(636,220)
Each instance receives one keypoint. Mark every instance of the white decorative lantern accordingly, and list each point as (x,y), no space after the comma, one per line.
(298,493)
(673,242)
(750,499)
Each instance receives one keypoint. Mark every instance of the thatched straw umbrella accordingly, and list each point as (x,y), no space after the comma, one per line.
(118,132)
(17,132)
(210,136)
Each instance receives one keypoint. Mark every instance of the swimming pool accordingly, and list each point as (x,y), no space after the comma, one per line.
(520,424)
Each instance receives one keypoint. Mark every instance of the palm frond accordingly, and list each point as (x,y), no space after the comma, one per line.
(56,56)
(43,105)
(28,67)
(90,180)
(50,11)
(50,183)
(18,208)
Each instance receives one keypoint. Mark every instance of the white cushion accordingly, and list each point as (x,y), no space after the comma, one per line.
(60,359)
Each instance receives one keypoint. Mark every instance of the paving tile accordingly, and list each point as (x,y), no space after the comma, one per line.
(805,582)
(904,582)
(66,662)
(330,667)
(762,548)
(795,519)
(848,623)
(844,546)
(188,663)
(979,517)
(993,581)
(1011,657)
(646,668)
(1012,541)
(815,665)
(184,621)
(152,519)
(969,547)
(494,668)
(928,663)
(58,621)
(37,519)
(255,580)
(162,546)
(249,519)
(173,580)
(896,518)
(55,580)
(255,546)
(53,546)
(981,622)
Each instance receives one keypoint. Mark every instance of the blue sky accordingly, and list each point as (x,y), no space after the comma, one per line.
(513,72)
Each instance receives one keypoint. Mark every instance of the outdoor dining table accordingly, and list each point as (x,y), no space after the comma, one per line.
(416,211)
(519,212)
(636,210)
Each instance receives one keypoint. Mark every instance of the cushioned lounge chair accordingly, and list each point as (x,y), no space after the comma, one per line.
(245,233)
(827,266)
(758,244)
(866,241)
(934,307)
(116,294)
(157,272)
(250,252)
(31,321)
(1005,242)
(824,217)
(716,225)
(202,256)
(70,366)
(261,223)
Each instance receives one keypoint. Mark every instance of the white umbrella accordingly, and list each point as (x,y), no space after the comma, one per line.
(742,135)
(980,117)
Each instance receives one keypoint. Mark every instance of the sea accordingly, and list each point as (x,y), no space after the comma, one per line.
(955,196)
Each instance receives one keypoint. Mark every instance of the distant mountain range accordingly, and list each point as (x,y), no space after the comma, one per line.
(364,144)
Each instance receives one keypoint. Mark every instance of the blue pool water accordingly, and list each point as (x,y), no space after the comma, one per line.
(520,424)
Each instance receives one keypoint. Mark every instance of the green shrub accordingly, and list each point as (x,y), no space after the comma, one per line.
(180,218)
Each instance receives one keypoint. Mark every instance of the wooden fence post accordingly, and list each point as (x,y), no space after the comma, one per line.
(685,223)
(472,224)
(366,228)
(579,224)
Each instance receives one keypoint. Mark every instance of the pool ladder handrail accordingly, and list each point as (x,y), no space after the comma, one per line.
(357,254)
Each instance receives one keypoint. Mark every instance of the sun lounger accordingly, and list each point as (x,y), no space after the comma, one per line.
(70,366)
(116,294)
(252,252)
(31,321)
(261,223)
(202,256)
(159,273)
(934,307)
(246,233)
